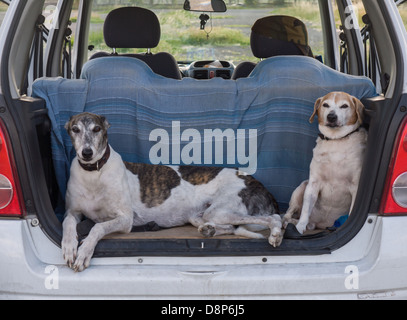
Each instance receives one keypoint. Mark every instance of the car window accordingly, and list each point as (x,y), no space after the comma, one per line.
(3,9)
(226,35)
(50,13)
(403,12)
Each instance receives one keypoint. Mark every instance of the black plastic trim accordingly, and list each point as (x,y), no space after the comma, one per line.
(59,32)
(358,50)
(82,48)
(327,32)
(202,247)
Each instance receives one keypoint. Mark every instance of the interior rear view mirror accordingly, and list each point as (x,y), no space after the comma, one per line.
(205,5)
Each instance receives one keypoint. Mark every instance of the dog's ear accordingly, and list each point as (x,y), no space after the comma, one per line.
(360,108)
(106,123)
(67,125)
(316,107)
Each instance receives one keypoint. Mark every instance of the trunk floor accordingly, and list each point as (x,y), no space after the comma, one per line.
(185,232)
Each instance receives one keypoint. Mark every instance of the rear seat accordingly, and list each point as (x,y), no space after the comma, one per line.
(276,100)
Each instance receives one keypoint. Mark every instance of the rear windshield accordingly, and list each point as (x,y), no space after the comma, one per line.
(226,35)
(3,9)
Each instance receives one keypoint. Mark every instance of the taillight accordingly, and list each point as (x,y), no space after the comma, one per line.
(9,186)
(395,196)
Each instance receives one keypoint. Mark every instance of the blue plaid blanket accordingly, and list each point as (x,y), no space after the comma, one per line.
(202,122)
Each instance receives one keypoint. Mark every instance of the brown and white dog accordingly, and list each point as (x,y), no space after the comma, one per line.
(118,195)
(336,165)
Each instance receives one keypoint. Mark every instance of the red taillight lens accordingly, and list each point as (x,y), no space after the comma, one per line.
(395,196)
(9,187)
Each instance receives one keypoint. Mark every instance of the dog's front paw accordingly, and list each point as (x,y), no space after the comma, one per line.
(208,230)
(85,254)
(276,237)
(301,227)
(69,249)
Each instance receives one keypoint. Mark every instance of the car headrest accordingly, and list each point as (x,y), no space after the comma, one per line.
(132,27)
(279,35)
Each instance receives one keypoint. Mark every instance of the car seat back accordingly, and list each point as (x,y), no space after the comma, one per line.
(138,28)
(275,36)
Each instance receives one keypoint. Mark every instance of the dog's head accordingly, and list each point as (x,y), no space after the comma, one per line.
(88,133)
(338,114)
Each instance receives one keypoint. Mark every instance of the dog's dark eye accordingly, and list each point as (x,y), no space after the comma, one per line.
(325,105)
(345,106)
(75,130)
(97,129)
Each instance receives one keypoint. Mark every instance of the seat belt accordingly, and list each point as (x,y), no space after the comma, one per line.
(38,48)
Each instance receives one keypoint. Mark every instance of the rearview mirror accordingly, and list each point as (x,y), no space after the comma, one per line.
(205,5)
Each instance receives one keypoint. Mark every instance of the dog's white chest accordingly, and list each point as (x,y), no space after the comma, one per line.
(95,206)
(336,167)
(334,161)
(97,195)
(90,202)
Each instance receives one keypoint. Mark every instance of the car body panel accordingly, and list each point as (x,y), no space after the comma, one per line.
(377,255)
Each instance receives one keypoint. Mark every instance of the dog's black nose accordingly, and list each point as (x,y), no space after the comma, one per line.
(87,153)
(332,118)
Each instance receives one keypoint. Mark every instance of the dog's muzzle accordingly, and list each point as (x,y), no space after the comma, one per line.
(98,164)
(332,119)
(87,154)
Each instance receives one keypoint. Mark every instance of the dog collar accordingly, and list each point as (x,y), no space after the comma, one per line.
(98,164)
(329,139)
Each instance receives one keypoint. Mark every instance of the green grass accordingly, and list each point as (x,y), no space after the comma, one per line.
(219,36)
(186,42)
(305,12)
(403,13)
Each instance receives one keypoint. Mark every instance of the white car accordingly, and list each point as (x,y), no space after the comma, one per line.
(55,62)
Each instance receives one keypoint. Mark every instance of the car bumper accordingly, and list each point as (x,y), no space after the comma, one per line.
(371,266)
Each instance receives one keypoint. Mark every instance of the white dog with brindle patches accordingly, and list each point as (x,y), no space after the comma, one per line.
(336,165)
(118,195)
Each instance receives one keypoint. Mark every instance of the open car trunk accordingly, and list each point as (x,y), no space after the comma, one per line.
(274,102)
(277,101)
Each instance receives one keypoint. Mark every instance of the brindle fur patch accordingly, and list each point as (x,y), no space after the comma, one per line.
(198,175)
(256,197)
(156,182)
